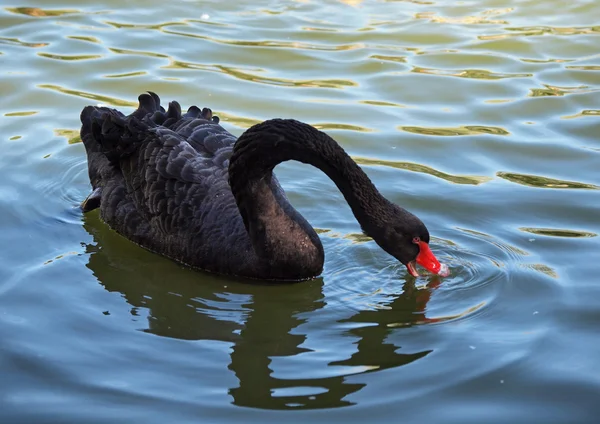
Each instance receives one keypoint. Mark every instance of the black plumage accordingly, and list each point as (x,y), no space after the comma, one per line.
(182,186)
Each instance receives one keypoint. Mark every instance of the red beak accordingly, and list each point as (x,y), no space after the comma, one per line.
(427,260)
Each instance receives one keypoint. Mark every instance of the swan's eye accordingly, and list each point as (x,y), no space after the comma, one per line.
(416,240)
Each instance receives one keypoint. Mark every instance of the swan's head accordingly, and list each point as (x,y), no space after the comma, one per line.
(406,238)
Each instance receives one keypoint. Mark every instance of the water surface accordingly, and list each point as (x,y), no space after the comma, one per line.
(482,117)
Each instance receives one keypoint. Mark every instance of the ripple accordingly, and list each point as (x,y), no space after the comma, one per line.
(24,113)
(248,76)
(139,53)
(584,67)
(238,121)
(127,75)
(512,252)
(557,232)
(541,30)
(470,289)
(439,319)
(121,25)
(546,60)
(583,113)
(498,101)
(205,22)
(16,41)
(544,182)
(460,20)
(551,90)
(317,29)
(72,136)
(456,131)
(397,59)
(420,2)
(380,103)
(70,57)
(86,95)
(41,13)
(468,73)
(415,167)
(544,269)
(271,43)
(333,126)
(84,38)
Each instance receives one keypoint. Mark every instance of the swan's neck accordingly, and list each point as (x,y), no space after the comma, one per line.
(279,234)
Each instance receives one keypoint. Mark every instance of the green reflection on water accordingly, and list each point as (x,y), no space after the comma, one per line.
(551,90)
(541,30)
(138,53)
(334,126)
(247,76)
(127,75)
(546,60)
(72,136)
(587,112)
(380,103)
(543,182)
(456,131)
(84,38)
(121,25)
(557,232)
(9,40)
(271,43)
(40,13)
(585,67)
(98,97)
(399,59)
(415,167)
(544,269)
(24,113)
(469,73)
(70,57)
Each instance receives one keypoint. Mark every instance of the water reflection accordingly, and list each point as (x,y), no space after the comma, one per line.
(24,113)
(544,182)
(583,113)
(70,57)
(456,131)
(16,41)
(248,76)
(469,73)
(416,167)
(298,45)
(93,96)
(558,232)
(262,322)
(38,12)
(84,38)
(551,90)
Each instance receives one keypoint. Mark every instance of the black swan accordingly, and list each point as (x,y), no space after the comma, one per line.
(181,185)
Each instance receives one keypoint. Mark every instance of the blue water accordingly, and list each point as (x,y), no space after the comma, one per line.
(480,117)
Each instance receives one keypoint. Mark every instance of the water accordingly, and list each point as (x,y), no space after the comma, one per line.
(482,117)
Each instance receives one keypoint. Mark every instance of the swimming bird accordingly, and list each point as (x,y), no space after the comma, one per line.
(182,186)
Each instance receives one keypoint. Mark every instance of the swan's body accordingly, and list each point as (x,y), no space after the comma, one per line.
(182,186)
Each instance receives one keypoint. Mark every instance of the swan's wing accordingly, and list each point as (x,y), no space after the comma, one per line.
(169,180)
(164,182)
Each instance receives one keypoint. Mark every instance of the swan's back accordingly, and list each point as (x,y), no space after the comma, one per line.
(163,182)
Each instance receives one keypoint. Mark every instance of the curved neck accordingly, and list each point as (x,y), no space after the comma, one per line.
(274,226)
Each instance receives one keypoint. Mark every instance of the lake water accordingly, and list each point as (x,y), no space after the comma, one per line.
(482,117)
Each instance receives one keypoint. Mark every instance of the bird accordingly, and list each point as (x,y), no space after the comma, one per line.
(182,186)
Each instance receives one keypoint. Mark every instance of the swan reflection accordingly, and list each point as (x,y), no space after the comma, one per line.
(264,324)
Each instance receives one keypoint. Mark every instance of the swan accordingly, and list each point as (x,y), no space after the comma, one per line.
(182,186)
